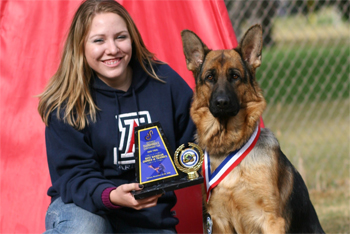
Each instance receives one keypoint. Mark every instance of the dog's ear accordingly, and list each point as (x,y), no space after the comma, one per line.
(194,50)
(251,45)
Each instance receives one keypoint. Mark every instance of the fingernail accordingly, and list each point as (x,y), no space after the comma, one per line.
(141,186)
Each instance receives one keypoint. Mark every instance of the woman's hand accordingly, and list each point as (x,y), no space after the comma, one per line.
(122,196)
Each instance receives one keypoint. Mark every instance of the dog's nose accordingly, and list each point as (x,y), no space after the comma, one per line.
(222,102)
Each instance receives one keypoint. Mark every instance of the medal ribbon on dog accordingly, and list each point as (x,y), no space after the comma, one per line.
(230,162)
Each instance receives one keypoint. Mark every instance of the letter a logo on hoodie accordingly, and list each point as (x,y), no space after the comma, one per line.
(126,124)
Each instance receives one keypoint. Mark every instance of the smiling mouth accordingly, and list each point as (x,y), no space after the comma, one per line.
(112,62)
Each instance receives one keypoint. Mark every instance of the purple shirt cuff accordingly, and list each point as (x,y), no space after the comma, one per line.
(105,199)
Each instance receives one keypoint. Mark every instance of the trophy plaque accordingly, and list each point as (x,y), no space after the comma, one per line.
(160,170)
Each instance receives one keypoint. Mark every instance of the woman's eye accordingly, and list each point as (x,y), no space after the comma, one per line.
(98,40)
(121,37)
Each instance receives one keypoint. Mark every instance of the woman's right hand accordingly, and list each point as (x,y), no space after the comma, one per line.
(122,196)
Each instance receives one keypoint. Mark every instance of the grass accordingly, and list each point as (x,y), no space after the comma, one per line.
(333,209)
(315,137)
(305,73)
(307,87)
(307,90)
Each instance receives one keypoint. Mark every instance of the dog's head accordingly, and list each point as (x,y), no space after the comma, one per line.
(226,78)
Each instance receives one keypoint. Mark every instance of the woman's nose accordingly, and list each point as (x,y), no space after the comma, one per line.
(112,47)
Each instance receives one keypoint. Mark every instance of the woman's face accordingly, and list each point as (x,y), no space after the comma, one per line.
(108,50)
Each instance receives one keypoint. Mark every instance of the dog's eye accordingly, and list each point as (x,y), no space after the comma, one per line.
(233,74)
(210,78)
(233,77)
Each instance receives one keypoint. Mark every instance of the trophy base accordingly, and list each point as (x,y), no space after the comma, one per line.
(168,186)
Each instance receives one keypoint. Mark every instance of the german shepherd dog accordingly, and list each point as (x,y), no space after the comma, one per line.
(264,193)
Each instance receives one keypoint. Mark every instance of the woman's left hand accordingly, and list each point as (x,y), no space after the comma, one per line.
(122,196)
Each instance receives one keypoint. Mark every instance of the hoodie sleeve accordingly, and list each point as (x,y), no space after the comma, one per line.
(182,99)
(74,167)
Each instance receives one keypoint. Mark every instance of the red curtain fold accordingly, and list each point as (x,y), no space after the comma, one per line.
(31,39)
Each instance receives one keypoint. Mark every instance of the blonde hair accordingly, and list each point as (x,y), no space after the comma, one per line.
(69,88)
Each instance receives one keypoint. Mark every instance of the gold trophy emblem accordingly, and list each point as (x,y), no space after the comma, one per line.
(189,159)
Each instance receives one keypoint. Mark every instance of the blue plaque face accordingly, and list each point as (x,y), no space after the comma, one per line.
(155,162)
(156,166)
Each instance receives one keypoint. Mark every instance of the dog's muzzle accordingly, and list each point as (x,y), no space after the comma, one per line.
(223,106)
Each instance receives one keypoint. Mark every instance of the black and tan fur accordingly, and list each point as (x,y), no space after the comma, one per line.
(264,193)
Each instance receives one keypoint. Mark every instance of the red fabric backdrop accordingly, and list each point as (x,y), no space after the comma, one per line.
(32,35)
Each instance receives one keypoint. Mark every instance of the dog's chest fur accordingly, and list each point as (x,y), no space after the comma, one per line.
(243,191)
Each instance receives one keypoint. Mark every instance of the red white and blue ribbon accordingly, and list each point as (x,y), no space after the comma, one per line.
(231,161)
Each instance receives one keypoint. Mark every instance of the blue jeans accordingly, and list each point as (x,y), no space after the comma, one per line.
(69,218)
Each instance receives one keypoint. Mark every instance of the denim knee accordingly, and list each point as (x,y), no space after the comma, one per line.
(69,218)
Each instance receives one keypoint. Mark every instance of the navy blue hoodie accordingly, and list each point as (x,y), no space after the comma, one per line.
(84,163)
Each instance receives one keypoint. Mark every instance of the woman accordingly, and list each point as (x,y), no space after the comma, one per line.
(108,83)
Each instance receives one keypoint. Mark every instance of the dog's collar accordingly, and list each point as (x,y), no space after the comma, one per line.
(211,180)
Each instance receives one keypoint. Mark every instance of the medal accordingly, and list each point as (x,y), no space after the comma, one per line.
(209,224)
(211,180)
